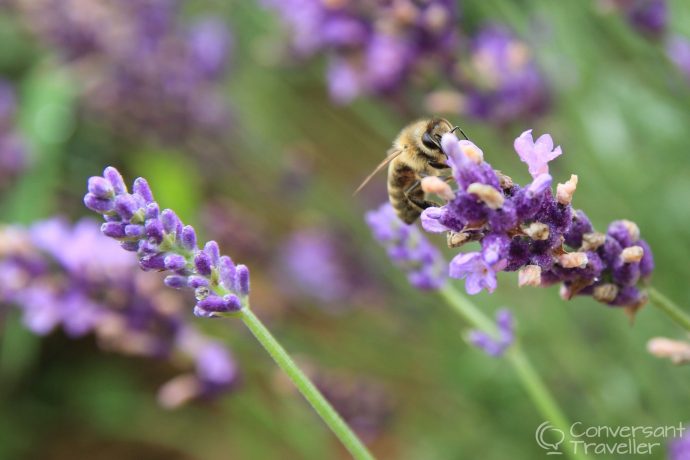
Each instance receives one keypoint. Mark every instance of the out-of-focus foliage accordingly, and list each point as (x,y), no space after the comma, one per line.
(282,168)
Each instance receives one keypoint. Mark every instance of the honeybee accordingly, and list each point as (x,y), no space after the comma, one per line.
(416,153)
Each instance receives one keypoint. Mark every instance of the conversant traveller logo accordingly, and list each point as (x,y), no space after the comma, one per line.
(623,440)
(549,438)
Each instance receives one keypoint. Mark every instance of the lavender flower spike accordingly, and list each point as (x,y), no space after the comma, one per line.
(408,248)
(221,289)
(163,242)
(528,229)
(496,346)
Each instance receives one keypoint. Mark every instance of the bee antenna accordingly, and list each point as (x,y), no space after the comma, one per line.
(457,128)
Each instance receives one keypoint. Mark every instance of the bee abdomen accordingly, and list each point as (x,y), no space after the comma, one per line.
(406,210)
(401,178)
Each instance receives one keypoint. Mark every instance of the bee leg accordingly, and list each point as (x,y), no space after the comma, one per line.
(416,200)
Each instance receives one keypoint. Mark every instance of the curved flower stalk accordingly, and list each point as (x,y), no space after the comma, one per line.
(163,243)
(13,149)
(144,71)
(534,231)
(364,402)
(404,244)
(50,273)
(496,339)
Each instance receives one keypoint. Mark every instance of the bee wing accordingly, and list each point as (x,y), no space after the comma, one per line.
(393,154)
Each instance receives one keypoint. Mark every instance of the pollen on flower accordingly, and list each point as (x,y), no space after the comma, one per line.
(472,152)
(633,230)
(675,350)
(537,231)
(573,260)
(565,192)
(632,254)
(488,194)
(529,275)
(592,241)
(436,185)
(605,292)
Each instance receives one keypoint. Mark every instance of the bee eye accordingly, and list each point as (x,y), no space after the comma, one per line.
(430,143)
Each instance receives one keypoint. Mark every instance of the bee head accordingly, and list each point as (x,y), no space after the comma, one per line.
(435,129)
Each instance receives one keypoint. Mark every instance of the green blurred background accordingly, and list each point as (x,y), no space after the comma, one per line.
(622,115)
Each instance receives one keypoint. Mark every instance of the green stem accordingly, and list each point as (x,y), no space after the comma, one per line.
(531,382)
(669,307)
(306,387)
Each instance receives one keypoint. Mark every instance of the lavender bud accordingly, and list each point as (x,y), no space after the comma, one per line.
(175,281)
(227,273)
(175,262)
(152,211)
(149,247)
(113,176)
(213,303)
(100,187)
(188,238)
(171,223)
(126,206)
(213,251)
(242,280)
(232,302)
(152,262)
(539,185)
(154,230)
(99,205)
(131,246)
(134,231)
(201,313)
(113,230)
(141,187)
(202,263)
(647,262)
(196,281)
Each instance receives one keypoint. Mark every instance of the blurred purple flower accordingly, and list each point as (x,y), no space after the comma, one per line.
(678,50)
(13,148)
(506,335)
(50,272)
(679,449)
(371,48)
(408,248)
(649,17)
(502,82)
(312,261)
(142,69)
(210,44)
